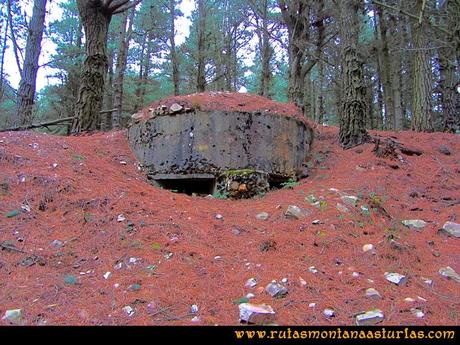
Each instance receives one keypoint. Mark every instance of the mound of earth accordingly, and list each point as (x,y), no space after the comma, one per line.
(85,240)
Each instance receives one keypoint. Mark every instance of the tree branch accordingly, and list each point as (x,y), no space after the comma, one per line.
(38,125)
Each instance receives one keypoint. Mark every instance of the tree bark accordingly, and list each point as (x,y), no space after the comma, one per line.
(27,86)
(354,108)
(124,37)
(173,51)
(201,78)
(422,89)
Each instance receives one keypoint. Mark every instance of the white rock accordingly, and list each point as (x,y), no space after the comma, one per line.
(219,216)
(194,309)
(175,108)
(371,317)
(350,200)
(368,247)
(355,274)
(123,163)
(409,300)
(256,313)
(372,293)
(417,313)
(427,281)
(284,280)
(276,290)
(262,216)
(312,305)
(196,319)
(128,310)
(121,218)
(13,315)
(414,223)
(449,273)
(316,222)
(312,269)
(328,312)
(250,295)
(107,275)
(250,283)
(342,208)
(294,212)
(452,229)
(395,278)
(302,282)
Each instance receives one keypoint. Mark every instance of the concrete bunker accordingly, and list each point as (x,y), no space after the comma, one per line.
(227,144)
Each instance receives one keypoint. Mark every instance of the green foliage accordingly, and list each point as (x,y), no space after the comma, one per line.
(289,184)
(218,195)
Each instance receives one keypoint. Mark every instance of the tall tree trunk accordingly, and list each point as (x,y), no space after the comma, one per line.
(27,86)
(173,52)
(354,107)
(125,38)
(96,25)
(138,104)
(2,62)
(422,89)
(266,53)
(386,69)
(201,78)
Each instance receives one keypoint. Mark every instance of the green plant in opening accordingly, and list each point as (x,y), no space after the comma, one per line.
(218,195)
(289,184)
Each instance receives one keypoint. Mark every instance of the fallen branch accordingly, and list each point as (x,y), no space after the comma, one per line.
(38,125)
(386,148)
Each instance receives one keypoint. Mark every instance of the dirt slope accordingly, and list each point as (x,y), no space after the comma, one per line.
(169,251)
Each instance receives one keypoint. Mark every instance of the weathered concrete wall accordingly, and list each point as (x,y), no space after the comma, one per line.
(210,142)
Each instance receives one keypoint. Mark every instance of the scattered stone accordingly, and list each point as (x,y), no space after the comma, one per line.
(312,305)
(123,162)
(219,216)
(302,282)
(276,290)
(417,313)
(395,278)
(70,280)
(284,280)
(342,208)
(316,222)
(414,223)
(250,283)
(368,247)
(350,200)
(250,295)
(194,309)
(128,310)
(175,108)
(311,199)
(449,273)
(262,216)
(373,293)
(427,281)
(121,218)
(107,275)
(57,244)
(355,274)
(312,269)
(196,319)
(13,315)
(452,229)
(267,245)
(256,313)
(328,312)
(294,212)
(444,150)
(25,207)
(371,317)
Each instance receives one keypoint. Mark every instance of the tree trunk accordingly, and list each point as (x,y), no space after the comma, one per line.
(2,63)
(27,86)
(125,38)
(354,107)
(96,24)
(201,78)
(173,52)
(422,88)
(138,104)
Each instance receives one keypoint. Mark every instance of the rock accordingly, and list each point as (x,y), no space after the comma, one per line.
(284,280)
(444,150)
(417,313)
(134,287)
(395,278)
(250,283)
(350,200)
(276,290)
(128,310)
(243,188)
(368,247)
(328,312)
(137,117)
(250,295)
(121,218)
(302,282)
(175,108)
(427,281)
(107,275)
(13,315)
(342,208)
(196,319)
(414,223)
(194,309)
(262,216)
(371,317)
(372,293)
(234,185)
(311,305)
(312,269)
(57,244)
(294,212)
(219,216)
(256,313)
(452,229)
(449,273)
(311,199)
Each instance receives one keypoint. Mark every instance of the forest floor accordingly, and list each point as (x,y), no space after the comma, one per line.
(85,240)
